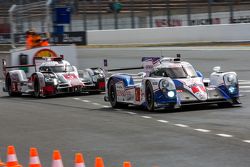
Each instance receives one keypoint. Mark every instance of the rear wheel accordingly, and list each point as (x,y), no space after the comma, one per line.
(8,85)
(113,96)
(36,85)
(149,96)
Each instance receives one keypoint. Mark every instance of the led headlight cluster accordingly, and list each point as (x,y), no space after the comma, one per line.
(231,83)
(171,94)
(164,84)
(168,87)
(50,78)
(230,79)
(232,89)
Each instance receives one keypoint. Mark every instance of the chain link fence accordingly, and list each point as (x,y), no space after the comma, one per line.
(120,14)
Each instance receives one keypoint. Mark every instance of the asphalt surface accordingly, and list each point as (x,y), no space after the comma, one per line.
(195,136)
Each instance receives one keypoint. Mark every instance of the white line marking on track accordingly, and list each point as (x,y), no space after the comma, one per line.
(245,83)
(242,80)
(246,141)
(76,98)
(147,117)
(244,87)
(244,91)
(224,135)
(181,125)
(86,101)
(96,104)
(106,106)
(203,130)
(132,113)
(162,121)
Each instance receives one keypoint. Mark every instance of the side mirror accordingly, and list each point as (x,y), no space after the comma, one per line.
(74,68)
(199,74)
(217,69)
(4,66)
(142,74)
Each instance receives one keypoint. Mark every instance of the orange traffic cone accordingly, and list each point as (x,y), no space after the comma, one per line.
(57,160)
(99,162)
(11,157)
(127,164)
(34,158)
(79,161)
(2,163)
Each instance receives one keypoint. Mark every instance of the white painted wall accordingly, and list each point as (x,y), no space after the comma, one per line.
(183,34)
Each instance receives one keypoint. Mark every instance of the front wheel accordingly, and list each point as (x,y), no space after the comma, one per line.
(112,94)
(149,96)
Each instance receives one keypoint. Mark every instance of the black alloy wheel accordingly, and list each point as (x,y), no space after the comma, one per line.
(149,96)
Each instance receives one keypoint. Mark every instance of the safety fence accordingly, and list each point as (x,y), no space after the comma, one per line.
(69,21)
(34,160)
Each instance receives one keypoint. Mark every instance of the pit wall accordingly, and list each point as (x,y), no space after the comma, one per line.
(183,34)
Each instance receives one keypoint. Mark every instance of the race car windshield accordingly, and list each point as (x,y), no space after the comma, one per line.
(57,69)
(175,72)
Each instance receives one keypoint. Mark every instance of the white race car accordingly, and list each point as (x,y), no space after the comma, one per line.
(171,83)
(54,76)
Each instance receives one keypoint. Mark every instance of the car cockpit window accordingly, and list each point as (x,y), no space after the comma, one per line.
(57,69)
(174,72)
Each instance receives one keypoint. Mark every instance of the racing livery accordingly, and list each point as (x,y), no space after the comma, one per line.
(54,76)
(171,83)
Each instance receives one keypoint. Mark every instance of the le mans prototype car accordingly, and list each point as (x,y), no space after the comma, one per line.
(54,76)
(171,83)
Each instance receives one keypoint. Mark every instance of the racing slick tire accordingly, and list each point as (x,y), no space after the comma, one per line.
(36,86)
(113,96)
(149,96)
(8,83)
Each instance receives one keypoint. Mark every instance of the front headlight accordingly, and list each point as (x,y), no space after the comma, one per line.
(171,94)
(163,84)
(94,78)
(47,79)
(230,79)
(167,84)
(55,81)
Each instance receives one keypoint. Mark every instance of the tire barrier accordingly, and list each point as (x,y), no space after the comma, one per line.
(34,160)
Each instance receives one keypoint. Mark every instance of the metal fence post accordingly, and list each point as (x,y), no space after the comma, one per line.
(209,12)
(231,10)
(84,17)
(168,12)
(150,13)
(99,15)
(132,14)
(13,25)
(188,13)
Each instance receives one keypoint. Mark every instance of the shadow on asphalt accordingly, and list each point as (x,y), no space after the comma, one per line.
(130,108)
(193,108)
(30,97)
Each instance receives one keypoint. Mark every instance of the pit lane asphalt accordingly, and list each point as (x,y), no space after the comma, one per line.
(195,136)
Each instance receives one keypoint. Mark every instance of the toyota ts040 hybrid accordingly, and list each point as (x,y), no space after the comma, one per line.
(171,83)
(54,76)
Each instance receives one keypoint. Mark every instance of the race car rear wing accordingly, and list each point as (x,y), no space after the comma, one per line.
(5,67)
(35,64)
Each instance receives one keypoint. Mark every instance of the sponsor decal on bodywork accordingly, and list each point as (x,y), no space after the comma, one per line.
(123,94)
